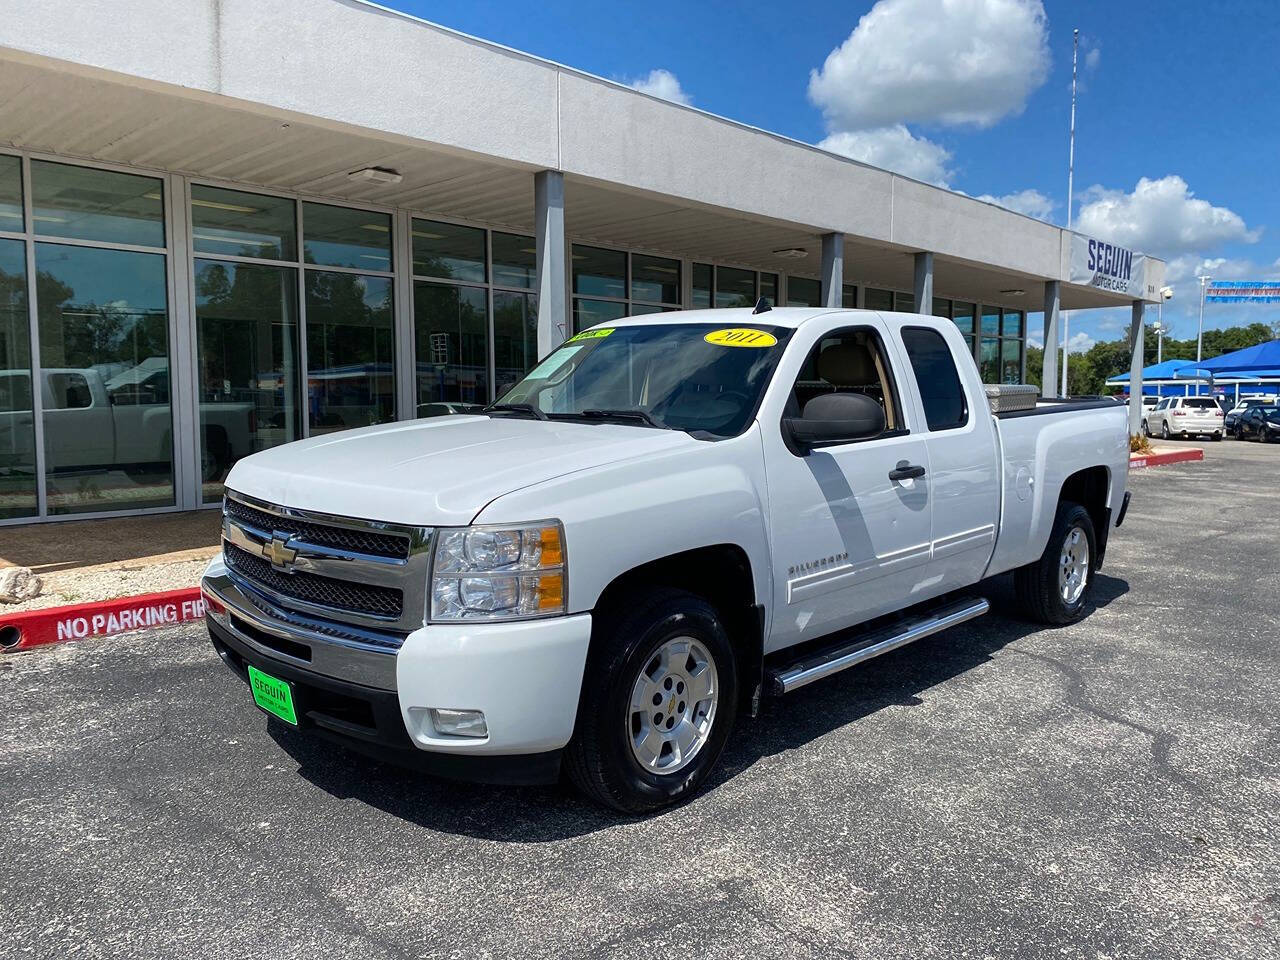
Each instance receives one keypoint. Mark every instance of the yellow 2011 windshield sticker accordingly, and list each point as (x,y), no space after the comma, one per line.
(740,337)
(591,334)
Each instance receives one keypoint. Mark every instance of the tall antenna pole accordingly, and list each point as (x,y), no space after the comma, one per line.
(1071,172)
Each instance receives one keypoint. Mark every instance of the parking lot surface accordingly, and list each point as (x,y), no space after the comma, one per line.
(1107,790)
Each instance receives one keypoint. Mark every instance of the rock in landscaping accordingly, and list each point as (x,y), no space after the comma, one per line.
(18,584)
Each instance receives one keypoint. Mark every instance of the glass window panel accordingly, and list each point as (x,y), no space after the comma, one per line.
(989,360)
(587,313)
(769,288)
(804,292)
(1011,323)
(655,279)
(104,336)
(515,338)
(514,261)
(88,204)
(735,288)
(702,286)
(350,352)
(451,331)
(345,237)
(641,309)
(1010,361)
(963,314)
(238,224)
(247,350)
(904,302)
(879,299)
(17,429)
(11,194)
(990,321)
(937,379)
(598,272)
(448,250)
(849,296)
(941,308)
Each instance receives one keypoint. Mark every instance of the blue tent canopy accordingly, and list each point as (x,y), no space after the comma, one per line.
(1157,371)
(1259,361)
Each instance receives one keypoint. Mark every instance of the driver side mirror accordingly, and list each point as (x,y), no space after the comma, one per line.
(834,418)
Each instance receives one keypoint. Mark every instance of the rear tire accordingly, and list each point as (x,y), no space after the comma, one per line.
(664,644)
(1056,588)
(1164,430)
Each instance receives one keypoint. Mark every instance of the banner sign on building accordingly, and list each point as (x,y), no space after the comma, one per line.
(1243,291)
(1106,266)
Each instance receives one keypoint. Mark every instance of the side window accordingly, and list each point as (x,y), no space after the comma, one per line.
(945,407)
(848,361)
(70,391)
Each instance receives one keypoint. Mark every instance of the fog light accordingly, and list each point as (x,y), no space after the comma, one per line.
(459,723)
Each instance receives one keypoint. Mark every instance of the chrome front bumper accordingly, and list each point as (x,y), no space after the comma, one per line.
(337,650)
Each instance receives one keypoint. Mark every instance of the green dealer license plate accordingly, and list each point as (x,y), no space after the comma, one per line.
(272,695)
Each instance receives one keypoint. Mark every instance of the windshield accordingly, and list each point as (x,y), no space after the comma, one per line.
(1273,414)
(693,377)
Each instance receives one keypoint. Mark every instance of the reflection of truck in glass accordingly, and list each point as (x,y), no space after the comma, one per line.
(126,420)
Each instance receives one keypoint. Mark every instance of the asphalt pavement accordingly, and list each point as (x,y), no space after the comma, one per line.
(1107,790)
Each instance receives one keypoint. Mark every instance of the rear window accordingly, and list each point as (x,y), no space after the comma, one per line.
(936,376)
(1203,403)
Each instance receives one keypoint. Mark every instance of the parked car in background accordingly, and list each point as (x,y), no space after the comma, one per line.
(1260,422)
(1231,420)
(1184,417)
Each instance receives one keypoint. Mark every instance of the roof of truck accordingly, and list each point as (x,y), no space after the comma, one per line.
(740,316)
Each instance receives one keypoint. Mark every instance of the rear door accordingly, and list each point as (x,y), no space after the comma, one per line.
(964,465)
(849,541)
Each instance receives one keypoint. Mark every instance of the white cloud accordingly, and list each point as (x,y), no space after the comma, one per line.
(894,148)
(661,83)
(1161,217)
(1092,59)
(951,62)
(1035,338)
(1031,202)
(1080,342)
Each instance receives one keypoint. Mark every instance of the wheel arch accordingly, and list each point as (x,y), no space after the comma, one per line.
(1091,488)
(721,574)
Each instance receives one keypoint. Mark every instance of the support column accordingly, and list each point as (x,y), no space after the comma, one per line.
(833,270)
(924,283)
(1049,375)
(553,299)
(1136,332)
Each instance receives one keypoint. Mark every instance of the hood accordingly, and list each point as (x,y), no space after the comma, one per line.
(439,471)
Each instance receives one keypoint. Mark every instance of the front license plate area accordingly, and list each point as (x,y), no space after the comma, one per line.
(273,695)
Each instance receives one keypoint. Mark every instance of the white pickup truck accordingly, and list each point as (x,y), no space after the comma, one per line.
(670,518)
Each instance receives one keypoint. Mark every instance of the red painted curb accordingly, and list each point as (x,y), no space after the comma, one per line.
(1160,459)
(100,619)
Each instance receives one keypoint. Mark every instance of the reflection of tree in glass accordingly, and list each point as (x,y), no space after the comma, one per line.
(15,349)
(349,349)
(86,334)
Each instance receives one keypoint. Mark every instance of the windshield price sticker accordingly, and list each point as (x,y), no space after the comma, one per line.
(741,337)
(591,335)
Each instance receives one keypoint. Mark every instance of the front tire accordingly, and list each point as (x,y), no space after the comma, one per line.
(659,698)
(1055,589)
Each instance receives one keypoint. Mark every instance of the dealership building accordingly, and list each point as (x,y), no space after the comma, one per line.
(223,228)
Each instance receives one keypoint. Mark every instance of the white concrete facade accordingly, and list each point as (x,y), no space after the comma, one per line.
(229,92)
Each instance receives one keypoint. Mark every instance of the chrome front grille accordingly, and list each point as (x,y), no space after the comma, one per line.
(335,594)
(372,542)
(361,572)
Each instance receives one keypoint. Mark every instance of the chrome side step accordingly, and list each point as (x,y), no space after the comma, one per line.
(823,663)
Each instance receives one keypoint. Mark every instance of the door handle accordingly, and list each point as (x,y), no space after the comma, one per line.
(906,471)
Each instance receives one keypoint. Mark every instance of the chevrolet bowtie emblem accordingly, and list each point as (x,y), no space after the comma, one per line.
(278,551)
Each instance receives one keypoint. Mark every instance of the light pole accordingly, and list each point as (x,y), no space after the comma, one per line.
(1166,293)
(1204,282)
(1071,170)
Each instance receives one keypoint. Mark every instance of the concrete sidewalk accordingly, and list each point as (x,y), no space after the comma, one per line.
(89,560)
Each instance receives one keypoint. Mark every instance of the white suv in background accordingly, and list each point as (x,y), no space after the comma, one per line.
(1184,417)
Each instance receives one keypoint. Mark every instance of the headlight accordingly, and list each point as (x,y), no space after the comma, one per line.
(499,573)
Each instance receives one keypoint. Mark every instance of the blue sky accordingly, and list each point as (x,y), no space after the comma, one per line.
(1177,150)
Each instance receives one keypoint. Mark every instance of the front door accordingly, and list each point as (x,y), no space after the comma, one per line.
(850,542)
